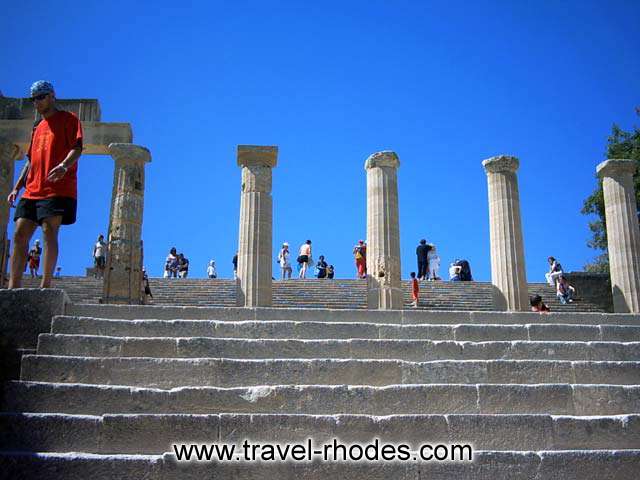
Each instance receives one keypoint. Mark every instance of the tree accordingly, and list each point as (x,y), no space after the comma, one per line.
(620,144)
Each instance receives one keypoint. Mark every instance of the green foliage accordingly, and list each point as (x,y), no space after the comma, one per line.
(620,144)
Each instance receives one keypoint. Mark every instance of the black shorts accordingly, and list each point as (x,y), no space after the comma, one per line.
(38,210)
(100,262)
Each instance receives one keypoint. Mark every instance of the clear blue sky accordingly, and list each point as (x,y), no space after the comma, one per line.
(444,84)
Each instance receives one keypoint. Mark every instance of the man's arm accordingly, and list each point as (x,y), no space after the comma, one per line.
(20,184)
(61,169)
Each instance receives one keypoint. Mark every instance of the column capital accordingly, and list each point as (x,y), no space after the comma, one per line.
(257,155)
(501,164)
(616,167)
(129,153)
(386,158)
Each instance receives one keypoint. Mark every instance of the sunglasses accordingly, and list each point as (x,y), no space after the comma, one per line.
(39,97)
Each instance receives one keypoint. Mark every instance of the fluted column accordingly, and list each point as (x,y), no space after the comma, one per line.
(123,276)
(256,217)
(9,153)
(507,249)
(623,233)
(383,232)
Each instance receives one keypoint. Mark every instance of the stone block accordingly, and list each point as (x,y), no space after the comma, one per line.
(582,464)
(596,433)
(511,399)
(620,333)
(40,432)
(606,399)
(445,372)
(484,333)
(563,332)
(155,434)
(502,432)
(529,371)
(621,373)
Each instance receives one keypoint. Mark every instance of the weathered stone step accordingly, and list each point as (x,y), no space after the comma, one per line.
(327,330)
(412,350)
(140,312)
(488,465)
(174,372)
(155,434)
(558,399)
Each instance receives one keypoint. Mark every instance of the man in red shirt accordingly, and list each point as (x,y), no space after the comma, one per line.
(50,182)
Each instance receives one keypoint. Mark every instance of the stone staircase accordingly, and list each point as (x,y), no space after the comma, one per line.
(539,397)
(314,293)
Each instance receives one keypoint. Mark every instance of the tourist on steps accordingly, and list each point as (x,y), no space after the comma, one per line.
(183,266)
(330,272)
(171,264)
(211,269)
(50,183)
(422,252)
(235,266)
(304,258)
(415,290)
(99,257)
(34,259)
(554,272)
(360,254)
(564,291)
(537,305)
(284,262)
(321,267)
(433,261)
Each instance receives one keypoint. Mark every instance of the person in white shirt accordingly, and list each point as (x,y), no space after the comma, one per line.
(211,269)
(434,263)
(100,256)
(283,260)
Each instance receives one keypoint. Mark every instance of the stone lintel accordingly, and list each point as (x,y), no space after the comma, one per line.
(501,164)
(256,155)
(86,109)
(615,167)
(129,153)
(386,158)
(97,135)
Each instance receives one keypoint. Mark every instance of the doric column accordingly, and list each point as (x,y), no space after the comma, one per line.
(507,250)
(256,216)
(9,153)
(383,232)
(123,275)
(623,234)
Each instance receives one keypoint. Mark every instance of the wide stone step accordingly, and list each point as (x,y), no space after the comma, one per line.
(155,434)
(558,399)
(142,312)
(412,350)
(487,465)
(336,330)
(173,372)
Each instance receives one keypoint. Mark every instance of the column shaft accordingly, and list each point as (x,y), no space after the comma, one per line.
(383,233)
(8,155)
(507,247)
(123,276)
(256,217)
(623,233)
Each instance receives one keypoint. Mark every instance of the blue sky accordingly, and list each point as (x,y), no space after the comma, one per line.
(443,84)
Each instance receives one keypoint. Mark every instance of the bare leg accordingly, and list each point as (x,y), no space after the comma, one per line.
(21,238)
(50,227)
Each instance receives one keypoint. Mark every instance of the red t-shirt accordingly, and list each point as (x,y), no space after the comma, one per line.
(52,140)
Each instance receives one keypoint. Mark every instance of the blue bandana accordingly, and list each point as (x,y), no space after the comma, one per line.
(41,87)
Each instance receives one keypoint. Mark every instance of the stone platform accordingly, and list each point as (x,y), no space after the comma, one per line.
(108,389)
(315,293)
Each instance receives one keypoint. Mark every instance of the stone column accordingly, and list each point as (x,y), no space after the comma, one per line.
(384,285)
(507,250)
(123,275)
(9,153)
(623,234)
(255,243)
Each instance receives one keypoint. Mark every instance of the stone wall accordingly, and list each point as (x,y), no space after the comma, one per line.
(595,287)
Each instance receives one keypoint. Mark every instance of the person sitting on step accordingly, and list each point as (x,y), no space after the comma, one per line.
(537,305)
(564,291)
